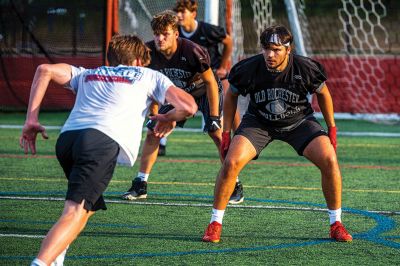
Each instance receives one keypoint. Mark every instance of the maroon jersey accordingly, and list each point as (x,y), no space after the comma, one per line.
(189,59)
(208,36)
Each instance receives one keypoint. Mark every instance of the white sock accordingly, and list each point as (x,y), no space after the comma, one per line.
(237,179)
(59,261)
(143,176)
(217,215)
(335,215)
(163,141)
(37,262)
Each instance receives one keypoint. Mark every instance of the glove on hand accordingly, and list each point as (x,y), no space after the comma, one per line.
(225,142)
(332,136)
(213,123)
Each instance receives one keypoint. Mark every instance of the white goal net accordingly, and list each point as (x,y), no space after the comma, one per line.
(349,37)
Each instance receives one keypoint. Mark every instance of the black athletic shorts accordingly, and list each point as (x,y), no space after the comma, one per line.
(298,137)
(204,107)
(88,158)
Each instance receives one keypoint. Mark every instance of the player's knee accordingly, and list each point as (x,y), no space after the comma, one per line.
(231,166)
(74,212)
(329,163)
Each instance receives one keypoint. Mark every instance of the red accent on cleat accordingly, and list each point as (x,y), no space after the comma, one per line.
(213,232)
(339,233)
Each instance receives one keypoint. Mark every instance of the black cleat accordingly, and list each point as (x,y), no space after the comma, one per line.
(138,190)
(162,150)
(237,195)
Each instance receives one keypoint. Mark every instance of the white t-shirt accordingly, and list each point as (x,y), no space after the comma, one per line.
(115,100)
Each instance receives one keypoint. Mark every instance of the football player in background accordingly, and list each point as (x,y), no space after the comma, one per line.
(278,82)
(213,38)
(181,60)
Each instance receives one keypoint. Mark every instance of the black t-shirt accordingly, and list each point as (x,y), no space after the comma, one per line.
(188,60)
(208,36)
(279,99)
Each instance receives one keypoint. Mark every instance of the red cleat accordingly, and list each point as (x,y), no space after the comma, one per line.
(213,232)
(339,233)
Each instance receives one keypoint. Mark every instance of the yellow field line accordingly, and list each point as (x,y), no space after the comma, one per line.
(205,184)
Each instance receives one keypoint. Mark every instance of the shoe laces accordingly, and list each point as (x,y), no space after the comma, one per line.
(339,230)
(213,229)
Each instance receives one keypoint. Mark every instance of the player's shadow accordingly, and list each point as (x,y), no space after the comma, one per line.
(194,199)
(227,238)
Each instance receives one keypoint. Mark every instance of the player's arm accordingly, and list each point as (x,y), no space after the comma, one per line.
(212,91)
(230,106)
(229,110)
(325,103)
(227,43)
(60,74)
(153,109)
(183,102)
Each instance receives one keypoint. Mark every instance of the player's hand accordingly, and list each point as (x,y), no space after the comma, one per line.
(332,136)
(27,141)
(163,127)
(225,142)
(222,73)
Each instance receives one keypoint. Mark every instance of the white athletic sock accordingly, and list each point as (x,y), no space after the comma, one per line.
(37,262)
(163,141)
(237,179)
(143,176)
(335,215)
(217,215)
(59,261)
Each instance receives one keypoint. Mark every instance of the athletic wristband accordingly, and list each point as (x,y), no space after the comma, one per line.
(214,123)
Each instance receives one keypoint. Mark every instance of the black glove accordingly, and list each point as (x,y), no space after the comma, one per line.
(150,124)
(213,123)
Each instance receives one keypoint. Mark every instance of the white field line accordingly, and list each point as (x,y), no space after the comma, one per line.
(167,204)
(355,134)
(21,236)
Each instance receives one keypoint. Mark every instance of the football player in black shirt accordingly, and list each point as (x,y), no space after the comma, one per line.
(212,38)
(181,60)
(205,34)
(278,82)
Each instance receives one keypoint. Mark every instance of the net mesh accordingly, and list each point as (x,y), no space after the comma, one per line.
(350,37)
(361,27)
(135,15)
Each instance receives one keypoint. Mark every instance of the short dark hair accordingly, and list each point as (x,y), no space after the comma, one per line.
(124,49)
(190,5)
(163,20)
(284,35)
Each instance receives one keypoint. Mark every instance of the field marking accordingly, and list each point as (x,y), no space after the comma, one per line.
(201,205)
(63,180)
(21,236)
(344,133)
(375,235)
(216,161)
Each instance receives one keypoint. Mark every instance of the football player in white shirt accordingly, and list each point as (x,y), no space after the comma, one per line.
(104,127)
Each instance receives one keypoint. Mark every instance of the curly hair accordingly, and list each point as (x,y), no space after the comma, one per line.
(163,20)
